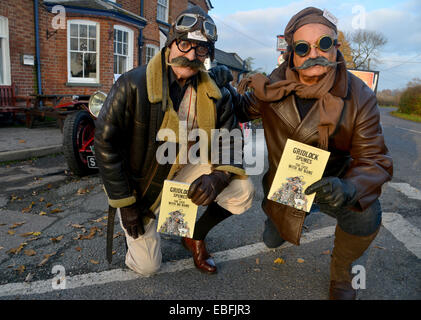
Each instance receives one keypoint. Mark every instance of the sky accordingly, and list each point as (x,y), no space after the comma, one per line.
(249,28)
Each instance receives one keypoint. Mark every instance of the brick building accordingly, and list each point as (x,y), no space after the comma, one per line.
(81,46)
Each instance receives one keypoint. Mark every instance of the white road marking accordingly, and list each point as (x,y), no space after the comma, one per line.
(406,189)
(402,230)
(415,131)
(98,278)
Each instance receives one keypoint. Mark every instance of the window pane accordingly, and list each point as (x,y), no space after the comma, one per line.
(83,44)
(115,64)
(125,49)
(119,48)
(92,45)
(92,31)
(1,62)
(90,65)
(122,64)
(76,67)
(125,34)
(73,44)
(83,29)
(120,35)
(73,30)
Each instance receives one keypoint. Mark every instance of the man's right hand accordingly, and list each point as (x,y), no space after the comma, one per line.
(132,219)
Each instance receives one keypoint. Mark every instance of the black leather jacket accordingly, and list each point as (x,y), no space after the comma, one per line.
(125,138)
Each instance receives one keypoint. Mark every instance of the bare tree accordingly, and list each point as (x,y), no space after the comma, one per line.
(365,47)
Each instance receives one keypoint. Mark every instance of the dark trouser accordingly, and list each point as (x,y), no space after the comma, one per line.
(356,223)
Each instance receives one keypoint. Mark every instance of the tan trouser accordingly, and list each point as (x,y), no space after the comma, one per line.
(144,253)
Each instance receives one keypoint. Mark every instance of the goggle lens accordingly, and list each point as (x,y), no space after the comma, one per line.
(186,21)
(325,43)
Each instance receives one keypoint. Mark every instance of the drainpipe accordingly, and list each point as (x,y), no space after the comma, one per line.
(140,39)
(37,48)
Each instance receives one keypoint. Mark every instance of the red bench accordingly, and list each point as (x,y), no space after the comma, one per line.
(11,103)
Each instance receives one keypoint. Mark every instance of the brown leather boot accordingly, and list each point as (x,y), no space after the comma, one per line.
(347,249)
(202,260)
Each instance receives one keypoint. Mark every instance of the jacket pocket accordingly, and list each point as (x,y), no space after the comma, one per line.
(288,221)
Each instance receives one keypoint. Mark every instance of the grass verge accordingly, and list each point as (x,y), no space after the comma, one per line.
(411,117)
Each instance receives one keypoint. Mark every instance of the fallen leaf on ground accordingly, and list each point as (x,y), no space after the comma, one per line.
(118,234)
(42,213)
(46,257)
(49,204)
(299,260)
(32,239)
(56,211)
(11,232)
(18,249)
(378,247)
(27,209)
(17,224)
(21,269)
(41,199)
(78,249)
(114,252)
(279,261)
(82,191)
(29,252)
(58,239)
(2,224)
(257,261)
(1,248)
(77,226)
(98,220)
(91,234)
(326,252)
(27,234)
(22,141)
(94,261)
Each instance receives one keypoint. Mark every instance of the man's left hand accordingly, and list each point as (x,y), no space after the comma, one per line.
(206,188)
(333,192)
(221,75)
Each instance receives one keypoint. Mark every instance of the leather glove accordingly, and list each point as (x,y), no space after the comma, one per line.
(132,219)
(333,191)
(221,75)
(206,188)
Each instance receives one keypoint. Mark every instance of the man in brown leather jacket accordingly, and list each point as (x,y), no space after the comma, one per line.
(173,92)
(313,99)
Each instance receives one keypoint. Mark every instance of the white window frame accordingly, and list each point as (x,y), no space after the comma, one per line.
(130,39)
(5,54)
(71,79)
(150,46)
(166,6)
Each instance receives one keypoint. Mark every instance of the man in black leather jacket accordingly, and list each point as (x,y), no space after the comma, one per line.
(172,91)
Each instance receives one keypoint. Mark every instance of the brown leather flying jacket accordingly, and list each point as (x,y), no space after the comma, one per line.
(358,150)
(125,145)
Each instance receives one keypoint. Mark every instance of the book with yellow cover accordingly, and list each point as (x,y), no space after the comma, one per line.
(300,166)
(177,214)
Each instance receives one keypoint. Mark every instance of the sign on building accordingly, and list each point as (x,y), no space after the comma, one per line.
(370,78)
(281,43)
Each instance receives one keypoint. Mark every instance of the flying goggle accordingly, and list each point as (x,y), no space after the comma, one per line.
(325,42)
(187,21)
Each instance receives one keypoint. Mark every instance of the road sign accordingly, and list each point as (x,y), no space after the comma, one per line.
(281,43)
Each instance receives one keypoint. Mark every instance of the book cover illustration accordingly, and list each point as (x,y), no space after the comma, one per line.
(300,166)
(177,214)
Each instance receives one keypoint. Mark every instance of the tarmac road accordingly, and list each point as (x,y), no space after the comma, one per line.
(246,268)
